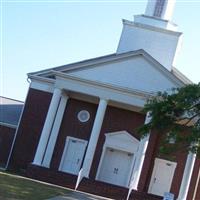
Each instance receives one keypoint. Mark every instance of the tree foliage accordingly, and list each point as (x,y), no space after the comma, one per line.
(175,114)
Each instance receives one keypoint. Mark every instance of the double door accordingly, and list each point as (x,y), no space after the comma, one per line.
(116,166)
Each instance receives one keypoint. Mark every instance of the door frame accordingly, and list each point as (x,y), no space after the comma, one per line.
(102,159)
(116,144)
(155,168)
(66,147)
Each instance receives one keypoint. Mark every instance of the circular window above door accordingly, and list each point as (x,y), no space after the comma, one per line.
(83,116)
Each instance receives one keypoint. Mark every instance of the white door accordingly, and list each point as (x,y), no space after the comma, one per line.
(162,176)
(116,166)
(73,155)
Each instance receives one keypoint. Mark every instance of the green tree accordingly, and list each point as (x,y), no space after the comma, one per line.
(176,117)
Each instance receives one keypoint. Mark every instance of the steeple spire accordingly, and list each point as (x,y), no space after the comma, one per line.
(162,9)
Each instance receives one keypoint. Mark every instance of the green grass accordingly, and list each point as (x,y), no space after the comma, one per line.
(18,188)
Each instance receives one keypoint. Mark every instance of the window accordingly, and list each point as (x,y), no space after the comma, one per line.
(159,8)
(83,116)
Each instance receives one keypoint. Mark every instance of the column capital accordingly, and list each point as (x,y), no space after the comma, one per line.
(57,89)
(65,94)
(103,100)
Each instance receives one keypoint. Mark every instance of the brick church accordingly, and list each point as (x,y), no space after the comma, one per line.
(78,128)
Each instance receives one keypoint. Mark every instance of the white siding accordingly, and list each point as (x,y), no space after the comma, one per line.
(135,73)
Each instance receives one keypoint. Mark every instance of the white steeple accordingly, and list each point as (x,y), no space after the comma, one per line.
(160,8)
(158,13)
(153,32)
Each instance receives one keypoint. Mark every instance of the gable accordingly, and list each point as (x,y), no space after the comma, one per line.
(122,140)
(135,73)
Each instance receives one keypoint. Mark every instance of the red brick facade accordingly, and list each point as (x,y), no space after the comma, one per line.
(6,140)
(33,117)
(115,119)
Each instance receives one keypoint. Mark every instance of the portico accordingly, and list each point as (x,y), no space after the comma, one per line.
(59,101)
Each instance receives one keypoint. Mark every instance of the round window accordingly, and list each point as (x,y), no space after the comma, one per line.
(83,116)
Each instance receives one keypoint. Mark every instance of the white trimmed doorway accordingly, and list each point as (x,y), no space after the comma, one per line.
(73,155)
(162,176)
(116,166)
(117,159)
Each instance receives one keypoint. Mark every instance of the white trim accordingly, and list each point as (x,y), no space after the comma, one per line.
(102,158)
(117,147)
(187,176)
(106,59)
(156,161)
(39,78)
(171,77)
(153,28)
(102,85)
(85,142)
(42,85)
(99,90)
(8,125)
(127,147)
(89,62)
(101,161)
(181,76)
(83,116)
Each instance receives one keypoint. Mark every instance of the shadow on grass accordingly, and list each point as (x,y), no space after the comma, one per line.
(16,188)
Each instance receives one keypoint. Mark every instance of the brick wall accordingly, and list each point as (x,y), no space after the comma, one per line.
(116,119)
(33,117)
(6,139)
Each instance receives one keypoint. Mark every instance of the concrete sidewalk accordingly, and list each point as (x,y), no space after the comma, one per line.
(78,196)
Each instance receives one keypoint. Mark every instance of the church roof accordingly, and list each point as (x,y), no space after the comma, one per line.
(10,111)
(49,73)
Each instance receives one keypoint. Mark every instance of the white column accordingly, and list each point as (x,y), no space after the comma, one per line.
(94,137)
(140,157)
(47,127)
(187,175)
(137,170)
(55,131)
(139,162)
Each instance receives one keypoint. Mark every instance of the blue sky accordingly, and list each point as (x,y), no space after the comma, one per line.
(36,35)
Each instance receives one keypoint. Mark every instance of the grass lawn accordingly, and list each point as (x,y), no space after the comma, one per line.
(18,188)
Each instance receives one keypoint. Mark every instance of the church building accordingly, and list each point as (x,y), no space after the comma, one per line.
(79,124)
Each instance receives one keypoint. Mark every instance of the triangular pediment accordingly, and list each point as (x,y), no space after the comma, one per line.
(135,72)
(122,140)
(122,135)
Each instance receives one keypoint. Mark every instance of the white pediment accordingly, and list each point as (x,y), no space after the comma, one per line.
(136,73)
(122,140)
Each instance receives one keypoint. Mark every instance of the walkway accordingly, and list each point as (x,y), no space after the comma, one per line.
(78,196)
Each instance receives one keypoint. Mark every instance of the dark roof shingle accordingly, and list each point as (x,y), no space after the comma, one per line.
(10,110)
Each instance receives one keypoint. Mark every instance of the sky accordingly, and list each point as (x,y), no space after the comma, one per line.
(37,35)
